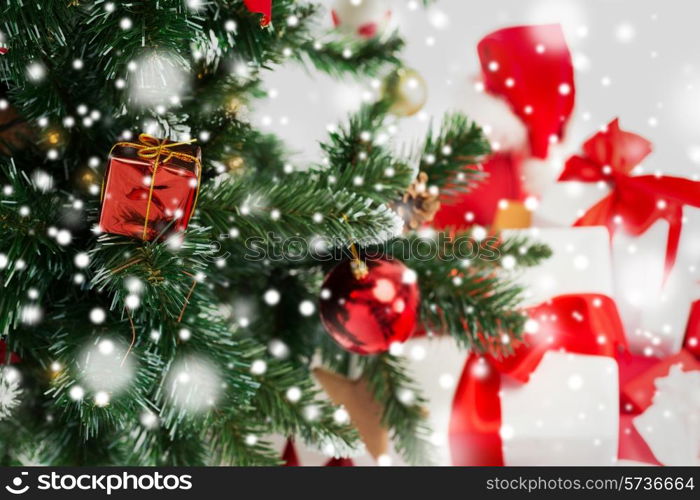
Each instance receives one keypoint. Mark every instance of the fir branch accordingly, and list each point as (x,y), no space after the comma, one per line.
(165,271)
(461,295)
(339,57)
(450,153)
(359,162)
(32,257)
(294,208)
(404,407)
(521,249)
(310,417)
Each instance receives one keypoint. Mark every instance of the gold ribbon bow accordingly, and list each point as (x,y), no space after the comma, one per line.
(152,148)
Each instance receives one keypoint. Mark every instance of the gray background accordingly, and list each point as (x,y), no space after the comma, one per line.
(654,74)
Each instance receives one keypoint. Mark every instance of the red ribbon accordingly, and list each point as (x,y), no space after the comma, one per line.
(635,202)
(530,67)
(580,324)
(263,7)
(692,331)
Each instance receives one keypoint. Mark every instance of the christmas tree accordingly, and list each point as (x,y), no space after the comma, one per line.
(190,336)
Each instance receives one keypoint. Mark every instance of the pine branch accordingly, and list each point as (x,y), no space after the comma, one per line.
(310,417)
(404,407)
(339,57)
(461,295)
(450,153)
(522,250)
(163,272)
(294,208)
(31,257)
(359,162)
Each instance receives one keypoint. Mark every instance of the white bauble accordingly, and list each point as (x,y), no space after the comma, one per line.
(157,79)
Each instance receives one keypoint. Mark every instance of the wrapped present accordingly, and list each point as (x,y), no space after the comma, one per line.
(652,221)
(661,409)
(555,400)
(150,187)
(501,181)
(526,97)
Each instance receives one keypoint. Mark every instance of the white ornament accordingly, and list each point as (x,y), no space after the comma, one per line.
(156,78)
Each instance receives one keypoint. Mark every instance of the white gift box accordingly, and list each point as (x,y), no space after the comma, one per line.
(654,307)
(580,263)
(567,413)
(671,425)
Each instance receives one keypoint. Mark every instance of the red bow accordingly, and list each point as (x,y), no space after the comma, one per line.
(581,324)
(263,7)
(531,68)
(635,203)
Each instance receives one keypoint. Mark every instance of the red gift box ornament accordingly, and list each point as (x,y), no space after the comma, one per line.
(150,187)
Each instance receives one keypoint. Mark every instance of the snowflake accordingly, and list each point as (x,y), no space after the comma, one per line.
(9,392)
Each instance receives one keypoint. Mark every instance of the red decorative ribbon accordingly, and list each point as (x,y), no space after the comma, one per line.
(530,67)
(581,324)
(263,7)
(635,202)
(692,331)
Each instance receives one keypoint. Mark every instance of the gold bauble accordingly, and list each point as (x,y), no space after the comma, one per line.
(406,91)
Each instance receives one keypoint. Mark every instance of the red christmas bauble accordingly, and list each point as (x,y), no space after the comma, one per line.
(366,315)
